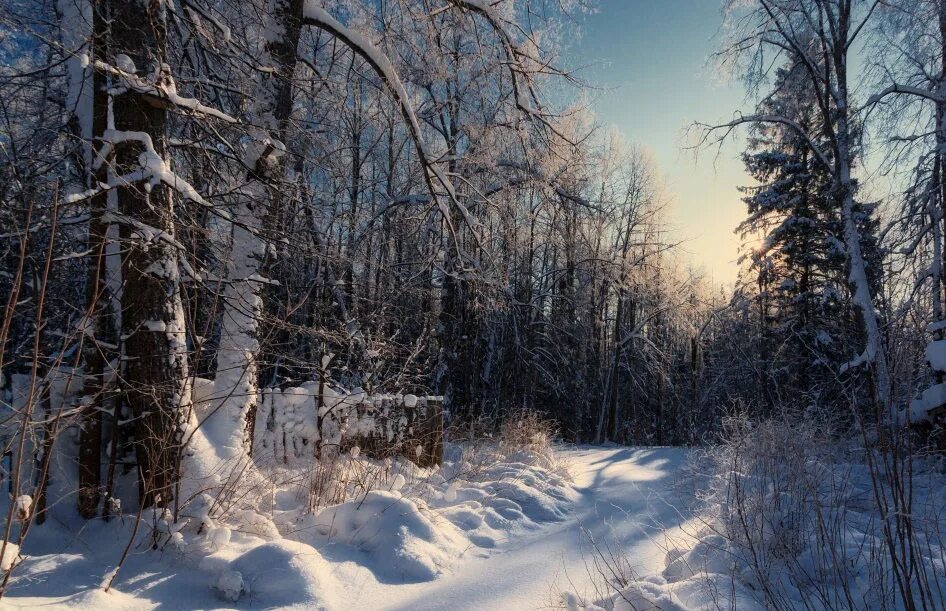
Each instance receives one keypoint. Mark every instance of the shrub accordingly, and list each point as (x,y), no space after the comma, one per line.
(527,431)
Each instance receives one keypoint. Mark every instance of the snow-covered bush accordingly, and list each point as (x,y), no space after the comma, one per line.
(794,515)
(767,478)
(335,479)
(524,436)
(529,431)
(11,553)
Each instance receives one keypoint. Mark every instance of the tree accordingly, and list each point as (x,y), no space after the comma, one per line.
(821,34)
(806,329)
(911,48)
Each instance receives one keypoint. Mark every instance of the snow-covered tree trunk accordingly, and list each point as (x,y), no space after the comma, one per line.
(874,351)
(875,354)
(937,200)
(236,383)
(153,331)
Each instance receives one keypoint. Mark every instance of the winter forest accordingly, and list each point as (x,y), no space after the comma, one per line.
(363,304)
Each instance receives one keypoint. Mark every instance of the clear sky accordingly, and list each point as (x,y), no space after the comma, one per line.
(649,60)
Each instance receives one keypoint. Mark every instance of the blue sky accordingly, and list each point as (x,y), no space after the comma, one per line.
(649,60)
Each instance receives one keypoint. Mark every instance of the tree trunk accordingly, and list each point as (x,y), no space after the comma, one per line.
(98,303)
(875,353)
(152,315)
(256,214)
(938,199)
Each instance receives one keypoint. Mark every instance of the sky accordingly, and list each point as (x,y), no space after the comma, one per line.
(648,62)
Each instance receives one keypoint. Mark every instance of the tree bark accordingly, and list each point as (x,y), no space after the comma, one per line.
(90,427)
(100,324)
(152,314)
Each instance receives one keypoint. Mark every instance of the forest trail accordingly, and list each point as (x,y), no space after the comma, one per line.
(628,501)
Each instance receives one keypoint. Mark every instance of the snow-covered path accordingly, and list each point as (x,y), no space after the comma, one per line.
(626,500)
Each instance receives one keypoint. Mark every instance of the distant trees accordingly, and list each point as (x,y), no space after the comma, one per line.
(379,183)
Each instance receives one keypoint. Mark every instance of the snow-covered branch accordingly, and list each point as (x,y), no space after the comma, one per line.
(317,16)
(161,88)
(898,89)
(154,169)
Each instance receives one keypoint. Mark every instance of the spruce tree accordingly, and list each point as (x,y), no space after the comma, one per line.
(798,272)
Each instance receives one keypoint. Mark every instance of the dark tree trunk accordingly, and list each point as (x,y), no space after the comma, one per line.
(152,317)
(287,14)
(98,306)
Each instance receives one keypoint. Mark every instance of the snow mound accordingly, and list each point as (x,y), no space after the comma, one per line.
(416,522)
(504,497)
(230,585)
(404,540)
(531,503)
(279,573)
(11,551)
(641,595)
(710,555)
(521,495)
(310,548)
(96,598)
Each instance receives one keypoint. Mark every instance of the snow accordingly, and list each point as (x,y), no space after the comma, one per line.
(483,532)
(10,553)
(231,585)
(159,85)
(616,492)
(154,170)
(123,62)
(930,399)
(23,504)
(236,373)
(403,540)
(290,422)
(282,574)
(486,531)
(936,354)
(219,536)
(494,543)
(934,396)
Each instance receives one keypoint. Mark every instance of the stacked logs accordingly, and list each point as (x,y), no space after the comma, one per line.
(408,426)
(294,428)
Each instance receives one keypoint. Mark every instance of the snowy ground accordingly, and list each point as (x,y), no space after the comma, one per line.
(624,495)
(491,545)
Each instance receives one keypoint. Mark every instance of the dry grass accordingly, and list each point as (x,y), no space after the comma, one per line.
(527,431)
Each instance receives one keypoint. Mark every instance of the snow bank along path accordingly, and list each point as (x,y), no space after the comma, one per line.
(384,552)
(625,499)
